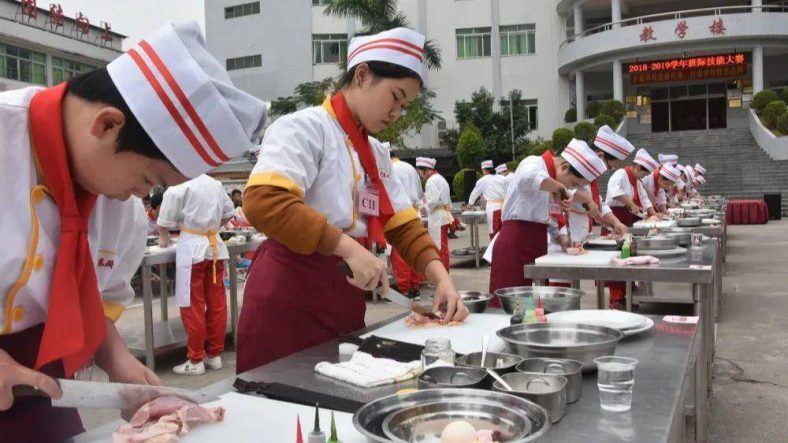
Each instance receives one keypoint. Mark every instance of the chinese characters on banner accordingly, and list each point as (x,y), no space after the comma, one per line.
(647,34)
(717,27)
(688,74)
(711,61)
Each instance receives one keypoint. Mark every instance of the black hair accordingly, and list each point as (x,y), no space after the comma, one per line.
(97,87)
(383,70)
(607,156)
(392,154)
(575,172)
(638,165)
(156,199)
(236,191)
(490,170)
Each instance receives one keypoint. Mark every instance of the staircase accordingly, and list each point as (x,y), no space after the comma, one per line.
(736,166)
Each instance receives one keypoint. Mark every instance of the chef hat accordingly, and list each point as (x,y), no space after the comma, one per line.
(643,158)
(425,162)
(699,169)
(185,101)
(487,164)
(701,179)
(670,172)
(501,168)
(690,173)
(612,143)
(673,159)
(400,46)
(583,159)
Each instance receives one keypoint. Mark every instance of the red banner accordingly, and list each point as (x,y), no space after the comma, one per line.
(688,74)
(711,61)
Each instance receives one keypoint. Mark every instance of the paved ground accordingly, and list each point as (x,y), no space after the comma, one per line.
(750,389)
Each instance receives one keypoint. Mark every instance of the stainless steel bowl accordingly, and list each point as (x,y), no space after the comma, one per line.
(368,419)
(453,377)
(547,391)
(475,301)
(574,341)
(683,237)
(688,222)
(502,363)
(571,369)
(554,299)
(656,243)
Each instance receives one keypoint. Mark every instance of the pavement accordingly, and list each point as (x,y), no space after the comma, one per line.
(750,387)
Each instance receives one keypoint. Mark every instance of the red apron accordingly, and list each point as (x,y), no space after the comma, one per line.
(519,243)
(293,302)
(33,419)
(496,223)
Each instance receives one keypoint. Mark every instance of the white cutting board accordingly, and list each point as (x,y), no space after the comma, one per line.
(464,339)
(590,258)
(254,419)
(662,224)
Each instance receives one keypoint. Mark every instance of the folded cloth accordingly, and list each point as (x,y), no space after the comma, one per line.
(367,371)
(639,260)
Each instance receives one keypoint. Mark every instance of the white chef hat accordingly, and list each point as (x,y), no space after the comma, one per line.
(425,162)
(583,159)
(501,168)
(643,158)
(612,143)
(701,179)
(487,164)
(673,159)
(670,172)
(400,46)
(185,101)
(690,173)
(699,169)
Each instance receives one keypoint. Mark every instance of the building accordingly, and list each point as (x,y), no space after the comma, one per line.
(691,64)
(45,47)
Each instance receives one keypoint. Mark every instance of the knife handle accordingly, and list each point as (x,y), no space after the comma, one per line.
(344,268)
(27,391)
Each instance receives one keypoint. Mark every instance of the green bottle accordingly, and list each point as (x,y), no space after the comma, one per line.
(626,248)
(333,438)
(530,314)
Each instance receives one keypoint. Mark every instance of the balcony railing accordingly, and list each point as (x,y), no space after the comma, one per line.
(676,15)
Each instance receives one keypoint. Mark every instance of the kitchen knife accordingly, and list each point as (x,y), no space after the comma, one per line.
(395,296)
(99,395)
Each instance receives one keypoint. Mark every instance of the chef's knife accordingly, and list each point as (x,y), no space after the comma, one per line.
(99,395)
(395,296)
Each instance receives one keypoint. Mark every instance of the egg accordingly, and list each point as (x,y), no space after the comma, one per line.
(458,432)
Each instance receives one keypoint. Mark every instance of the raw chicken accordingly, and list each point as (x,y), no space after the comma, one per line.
(636,261)
(576,251)
(415,320)
(164,420)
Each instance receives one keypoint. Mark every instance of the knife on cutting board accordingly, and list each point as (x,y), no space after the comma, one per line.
(100,395)
(395,296)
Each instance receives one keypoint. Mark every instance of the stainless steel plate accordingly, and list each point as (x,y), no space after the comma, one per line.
(657,242)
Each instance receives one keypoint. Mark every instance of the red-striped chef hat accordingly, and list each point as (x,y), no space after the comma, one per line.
(583,159)
(612,143)
(400,46)
(425,162)
(670,172)
(185,100)
(643,158)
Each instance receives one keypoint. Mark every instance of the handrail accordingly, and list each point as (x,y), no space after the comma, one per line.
(671,15)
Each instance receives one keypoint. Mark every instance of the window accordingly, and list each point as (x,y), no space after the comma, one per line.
(328,48)
(321,2)
(473,42)
(241,10)
(531,111)
(63,69)
(250,61)
(23,65)
(518,39)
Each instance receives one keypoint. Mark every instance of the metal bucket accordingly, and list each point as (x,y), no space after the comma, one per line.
(554,299)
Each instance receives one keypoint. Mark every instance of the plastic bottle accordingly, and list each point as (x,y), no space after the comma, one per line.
(299,435)
(530,316)
(626,248)
(517,317)
(333,438)
(316,436)
(539,311)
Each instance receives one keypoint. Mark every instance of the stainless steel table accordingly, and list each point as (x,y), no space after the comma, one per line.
(473,220)
(164,335)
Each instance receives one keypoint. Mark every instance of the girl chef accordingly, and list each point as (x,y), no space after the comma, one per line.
(319,183)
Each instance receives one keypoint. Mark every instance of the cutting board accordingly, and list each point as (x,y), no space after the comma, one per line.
(464,339)
(662,224)
(591,258)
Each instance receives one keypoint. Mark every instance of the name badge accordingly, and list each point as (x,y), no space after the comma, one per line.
(555,208)
(369,203)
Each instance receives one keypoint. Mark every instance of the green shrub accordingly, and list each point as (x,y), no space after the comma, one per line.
(470,147)
(615,109)
(541,148)
(570,116)
(458,182)
(762,99)
(512,165)
(772,113)
(604,119)
(782,125)
(585,131)
(593,108)
(561,137)
(784,95)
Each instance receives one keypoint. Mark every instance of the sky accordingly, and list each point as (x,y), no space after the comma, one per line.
(136,18)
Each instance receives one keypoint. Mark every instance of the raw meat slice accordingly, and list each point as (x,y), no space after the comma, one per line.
(164,420)
(415,320)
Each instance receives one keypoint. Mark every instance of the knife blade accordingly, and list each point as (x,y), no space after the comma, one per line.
(99,395)
(395,296)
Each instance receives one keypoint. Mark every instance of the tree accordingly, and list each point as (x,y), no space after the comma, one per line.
(470,148)
(561,138)
(313,93)
(458,183)
(772,113)
(593,109)
(416,115)
(585,131)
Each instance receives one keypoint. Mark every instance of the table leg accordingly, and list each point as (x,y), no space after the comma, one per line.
(234,299)
(147,303)
(477,243)
(163,290)
(710,331)
(702,382)
(600,294)
(628,295)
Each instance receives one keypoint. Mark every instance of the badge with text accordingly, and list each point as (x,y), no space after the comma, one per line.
(369,202)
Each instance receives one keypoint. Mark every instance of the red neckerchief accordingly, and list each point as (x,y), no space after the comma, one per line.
(360,141)
(655,176)
(75,325)
(595,193)
(549,161)
(150,215)
(634,183)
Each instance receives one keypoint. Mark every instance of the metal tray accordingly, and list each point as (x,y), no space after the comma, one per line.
(475,301)
(554,299)
(657,242)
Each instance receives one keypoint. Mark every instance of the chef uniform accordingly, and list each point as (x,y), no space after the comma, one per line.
(493,188)
(198,207)
(527,211)
(689,172)
(437,201)
(318,175)
(651,183)
(672,194)
(619,147)
(408,280)
(70,255)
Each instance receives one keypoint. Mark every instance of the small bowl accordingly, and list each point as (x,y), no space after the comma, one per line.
(547,391)
(454,377)
(554,299)
(571,369)
(474,360)
(476,302)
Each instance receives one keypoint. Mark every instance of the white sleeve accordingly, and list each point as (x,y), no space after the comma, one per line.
(530,176)
(171,206)
(432,195)
(396,191)
(477,191)
(644,200)
(616,186)
(416,183)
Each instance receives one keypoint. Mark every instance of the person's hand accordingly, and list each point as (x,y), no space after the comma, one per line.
(13,374)
(368,270)
(564,200)
(633,208)
(563,241)
(446,293)
(593,210)
(620,229)
(123,367)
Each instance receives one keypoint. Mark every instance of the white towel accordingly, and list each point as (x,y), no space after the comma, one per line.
(367,371)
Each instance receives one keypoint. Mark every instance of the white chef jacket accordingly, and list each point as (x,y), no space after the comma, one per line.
(604,209)
(493,189)
(116,230)
(524,200)
(650,185)
(409,179)
(309,154)
(197,207)
(437,200)
(619,185)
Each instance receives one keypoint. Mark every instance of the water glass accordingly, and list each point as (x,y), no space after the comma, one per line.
(616,381)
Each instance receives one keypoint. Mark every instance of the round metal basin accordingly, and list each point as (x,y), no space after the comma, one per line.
(554,299)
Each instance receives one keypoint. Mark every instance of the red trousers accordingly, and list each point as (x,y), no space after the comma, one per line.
(496,223)
(518,244)
(444,247)
(206,318)
(618,288)
(406,277)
